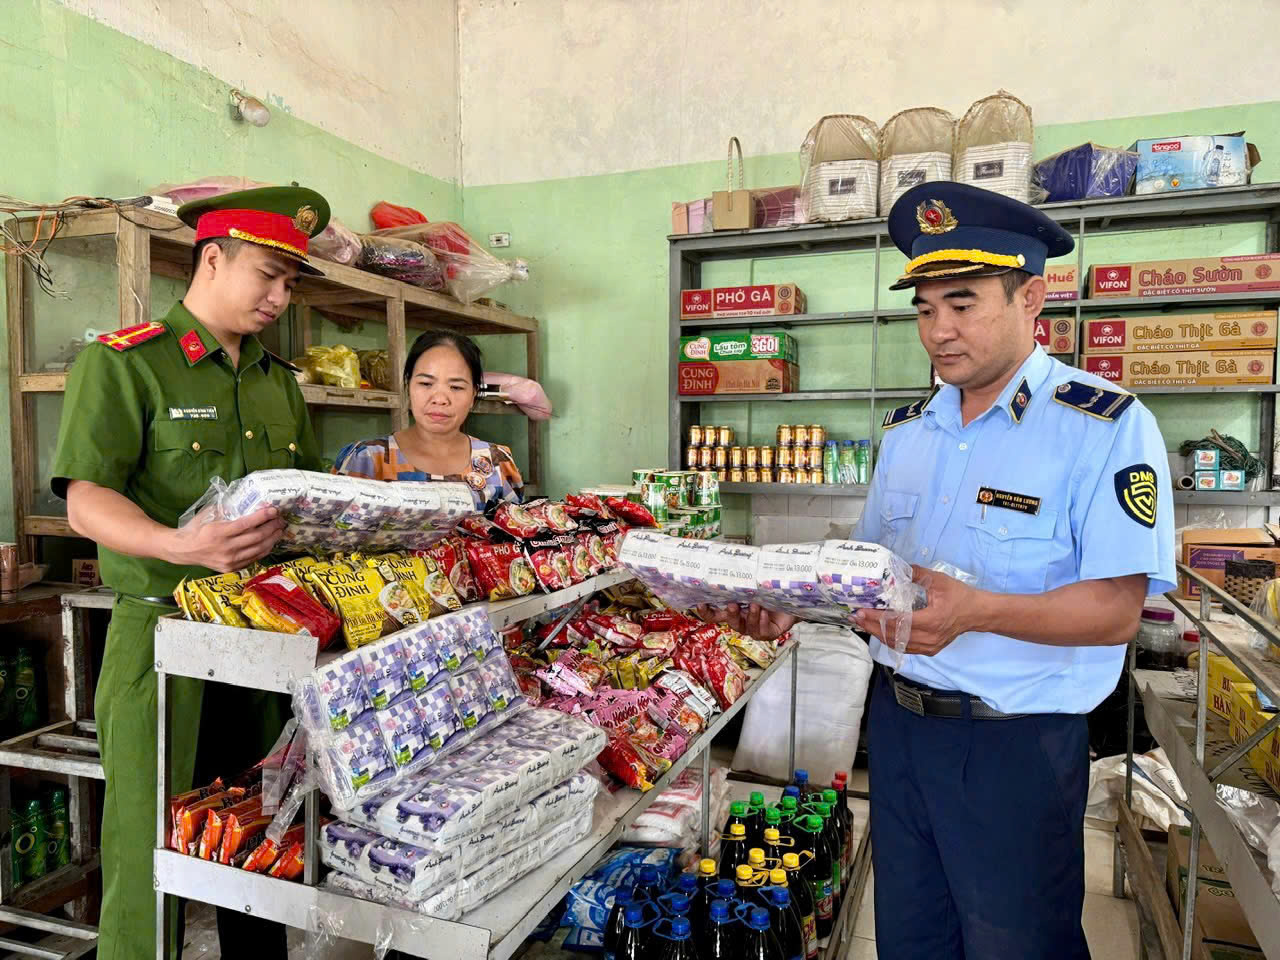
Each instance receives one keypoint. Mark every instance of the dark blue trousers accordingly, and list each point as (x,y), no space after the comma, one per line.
(977,833)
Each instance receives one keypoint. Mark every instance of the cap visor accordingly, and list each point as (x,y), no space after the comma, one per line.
(941,271)
(304,265)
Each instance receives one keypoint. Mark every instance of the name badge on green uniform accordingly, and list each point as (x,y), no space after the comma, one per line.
(193,413)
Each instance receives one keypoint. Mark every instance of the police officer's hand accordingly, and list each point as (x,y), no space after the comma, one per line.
(941,620)
(226,545)
(755,621)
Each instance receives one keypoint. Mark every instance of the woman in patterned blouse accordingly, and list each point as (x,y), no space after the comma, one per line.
(442,376)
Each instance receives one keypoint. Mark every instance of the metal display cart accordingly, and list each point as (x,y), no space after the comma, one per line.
(1257,203)
(66,748)
(1202,754)
(493,931)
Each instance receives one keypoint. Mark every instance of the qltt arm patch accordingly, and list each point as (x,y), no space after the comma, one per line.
(1138,493)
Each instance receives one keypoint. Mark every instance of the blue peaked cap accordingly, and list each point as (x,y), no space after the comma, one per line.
(949,229)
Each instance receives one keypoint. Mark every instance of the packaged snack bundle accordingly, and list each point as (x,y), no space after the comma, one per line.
(212,599)
(471,701)
(405,732)
(451,556)
(501,569)
(423,664)
(441,721)
(633,513)
(499,683)
(428,587)
(282,489)
(277,601)
(355,762)
(373,503)
(341,696)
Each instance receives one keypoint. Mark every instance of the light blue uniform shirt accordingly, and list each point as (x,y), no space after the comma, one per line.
(1097,516)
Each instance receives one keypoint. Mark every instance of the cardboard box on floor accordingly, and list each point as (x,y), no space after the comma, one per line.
(1220,920)
(1175,875)
(1207,552)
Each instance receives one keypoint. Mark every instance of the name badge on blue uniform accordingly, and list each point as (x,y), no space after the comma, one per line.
(989,497)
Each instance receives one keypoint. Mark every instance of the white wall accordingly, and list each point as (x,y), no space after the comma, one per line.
(565,88)
(382,75)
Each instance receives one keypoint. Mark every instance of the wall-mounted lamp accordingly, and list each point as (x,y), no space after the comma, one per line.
(249,109)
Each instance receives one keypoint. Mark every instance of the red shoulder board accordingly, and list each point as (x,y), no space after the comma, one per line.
(132,336)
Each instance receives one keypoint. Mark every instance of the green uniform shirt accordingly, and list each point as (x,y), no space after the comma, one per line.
(156,425)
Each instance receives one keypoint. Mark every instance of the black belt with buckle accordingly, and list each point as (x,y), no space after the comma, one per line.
(926,702)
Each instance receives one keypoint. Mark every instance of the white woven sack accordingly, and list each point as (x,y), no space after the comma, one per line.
(831,689)
(842,190)
(901,172)
(1003,168)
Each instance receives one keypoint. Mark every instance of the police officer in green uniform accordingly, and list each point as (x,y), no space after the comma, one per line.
(153,413)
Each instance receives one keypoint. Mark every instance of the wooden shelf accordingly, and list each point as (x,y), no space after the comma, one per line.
(320,395)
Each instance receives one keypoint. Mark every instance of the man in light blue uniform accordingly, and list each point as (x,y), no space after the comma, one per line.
(1034,501)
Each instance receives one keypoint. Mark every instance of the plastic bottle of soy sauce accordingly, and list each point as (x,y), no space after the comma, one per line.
(761,944)
(679,941)
(802,900)
(633,942)
(733,850)
(723,937)
(615,926)
(784,924)
(831,833)
(818,871)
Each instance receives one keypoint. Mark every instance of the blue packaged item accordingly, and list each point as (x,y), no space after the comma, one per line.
(1086,171)
(384,672)
(590,899)
(471,701)
(404,730)
(341,696)
(440,717)
(423,664)
(450,643)
(1193,163)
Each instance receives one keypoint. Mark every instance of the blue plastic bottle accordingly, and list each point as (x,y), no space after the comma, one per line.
(723,939)
(632,943)
(761,944)
(679,941)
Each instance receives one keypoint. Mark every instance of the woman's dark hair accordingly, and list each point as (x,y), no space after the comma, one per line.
(464,345)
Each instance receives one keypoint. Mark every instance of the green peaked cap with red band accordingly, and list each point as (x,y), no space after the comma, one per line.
(282,219)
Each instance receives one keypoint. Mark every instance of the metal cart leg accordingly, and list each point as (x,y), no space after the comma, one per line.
(706,800)
(791,728)
(1193,858)
(311,849)
(162,804)
(1117,858)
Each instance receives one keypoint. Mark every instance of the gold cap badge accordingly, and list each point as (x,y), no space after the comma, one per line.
(935,217)
(306,220)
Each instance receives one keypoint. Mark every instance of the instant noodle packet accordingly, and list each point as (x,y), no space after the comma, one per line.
(276,601)
(212,599)
(357,595)
(501,569)
(451,555)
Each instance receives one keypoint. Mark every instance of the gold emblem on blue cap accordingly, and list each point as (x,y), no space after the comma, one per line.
(935,217)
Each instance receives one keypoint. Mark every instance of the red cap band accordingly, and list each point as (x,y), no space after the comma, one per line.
(256,226)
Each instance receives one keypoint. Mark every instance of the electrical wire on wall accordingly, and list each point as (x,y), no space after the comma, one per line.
(49,219)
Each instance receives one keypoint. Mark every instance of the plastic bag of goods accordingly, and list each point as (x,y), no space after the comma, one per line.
(385,214)
(336,366)
(840,157)
(915,147)
(831,687)
(470,270)
(400,259)
(1083,172)
(993,146)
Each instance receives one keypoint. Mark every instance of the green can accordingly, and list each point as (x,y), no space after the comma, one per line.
(706,489)
(677,492)
(653,497)
(642,476)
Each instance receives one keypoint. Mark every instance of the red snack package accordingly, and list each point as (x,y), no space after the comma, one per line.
(181,800)
(482,528)
(451,555)
(188,818)
(587,504)
(550,565)
(611,534)
(667,620)
(596,559)
(512,637)
(576,555)
(210,836)
(631,512)
(257,858)
(660,644)
(616,630)
(501,570)
(517,520)
(277,600)
(288,865)
(237,822)
(625,762)
(554,516)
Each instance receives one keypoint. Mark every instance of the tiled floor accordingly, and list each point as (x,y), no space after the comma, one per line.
(1110,925)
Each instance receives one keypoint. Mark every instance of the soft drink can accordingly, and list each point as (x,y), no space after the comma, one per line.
(736,458)
(785,475)
(800,435)
(725,436)
(784,435)
(692,454)
(751,475)
(706,458)
(753,456)
(721,459)
(766,457)
(784,458)
(695,435)
(817,433)
(735,475)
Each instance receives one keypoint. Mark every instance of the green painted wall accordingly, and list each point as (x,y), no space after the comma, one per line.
(91,111)
(599,271)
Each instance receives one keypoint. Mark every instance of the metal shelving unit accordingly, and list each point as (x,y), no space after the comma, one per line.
(1202,754)
(493,931)
(146,244)
(1257,203)
(67,749)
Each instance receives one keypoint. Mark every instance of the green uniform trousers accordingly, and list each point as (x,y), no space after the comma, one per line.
(240,727)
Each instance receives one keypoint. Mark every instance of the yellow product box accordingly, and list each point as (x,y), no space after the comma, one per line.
(1244,704)
(1166,333)
(1185,368)
(1222,674)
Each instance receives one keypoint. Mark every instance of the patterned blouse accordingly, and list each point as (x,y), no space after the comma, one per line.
(493,476)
